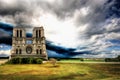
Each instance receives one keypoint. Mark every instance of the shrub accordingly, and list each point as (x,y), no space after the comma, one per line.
(25,61)
(118,58)
(81,59)
(16,60)
(35,61)
(30,60)
(112,60)
(107,59)
(39,61)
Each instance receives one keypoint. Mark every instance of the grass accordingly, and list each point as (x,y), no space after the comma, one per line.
(62,71)
(85,60)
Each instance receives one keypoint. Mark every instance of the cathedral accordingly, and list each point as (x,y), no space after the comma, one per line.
(28,47)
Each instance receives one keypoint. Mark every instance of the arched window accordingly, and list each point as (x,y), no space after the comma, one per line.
(20,33)
(20,51)
(36,33)
(17,33)
(40,51)
(39,34)
(16,51)
(37,52)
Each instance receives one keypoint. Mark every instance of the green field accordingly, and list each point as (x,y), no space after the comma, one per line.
(77,61)
(62,71)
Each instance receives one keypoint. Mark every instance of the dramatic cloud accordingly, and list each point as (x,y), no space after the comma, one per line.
(4,50)
(91,27)
(4,53)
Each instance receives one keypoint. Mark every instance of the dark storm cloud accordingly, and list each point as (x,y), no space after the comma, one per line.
(6,40)
(3,33)
(60,49)
(95,18)
(115,27)
(114,10)
(6,27)
(19,12)
(6,33)
(22,11)
(62,52)
(10,10)
(67,8)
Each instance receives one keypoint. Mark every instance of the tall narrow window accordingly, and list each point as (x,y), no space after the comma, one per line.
(36,33)
(20,51)
(16,51)
(20,33)
(37,51)
(17,33)
(39,34)
(40,51)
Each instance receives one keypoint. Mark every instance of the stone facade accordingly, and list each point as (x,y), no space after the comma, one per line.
(28,47)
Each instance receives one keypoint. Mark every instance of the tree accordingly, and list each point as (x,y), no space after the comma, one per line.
(107,59)
(118,57)
(81,59)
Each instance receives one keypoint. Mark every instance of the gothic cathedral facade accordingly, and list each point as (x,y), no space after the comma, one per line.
(28,47)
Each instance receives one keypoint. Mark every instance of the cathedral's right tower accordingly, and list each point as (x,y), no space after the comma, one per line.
(39,41)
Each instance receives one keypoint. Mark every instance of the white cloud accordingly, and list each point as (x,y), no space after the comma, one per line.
(113,35)
(4,53)
(113,25)
(8,2)
(58,31)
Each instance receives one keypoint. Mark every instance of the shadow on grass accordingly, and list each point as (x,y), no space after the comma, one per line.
(56,66)
(68,77)
(39,77)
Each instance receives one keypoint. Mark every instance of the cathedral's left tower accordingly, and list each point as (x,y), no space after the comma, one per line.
(18,41)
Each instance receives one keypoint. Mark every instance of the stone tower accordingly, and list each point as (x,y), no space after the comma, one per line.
(28,47)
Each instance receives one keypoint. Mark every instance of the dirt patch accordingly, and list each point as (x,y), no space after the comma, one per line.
(33,72)
(56,66)
(2,61)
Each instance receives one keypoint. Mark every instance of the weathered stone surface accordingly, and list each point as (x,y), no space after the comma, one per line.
(30,47)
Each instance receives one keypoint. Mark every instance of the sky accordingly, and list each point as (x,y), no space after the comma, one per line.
(73,28)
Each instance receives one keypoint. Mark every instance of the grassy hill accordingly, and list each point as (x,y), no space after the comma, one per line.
(62,71)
